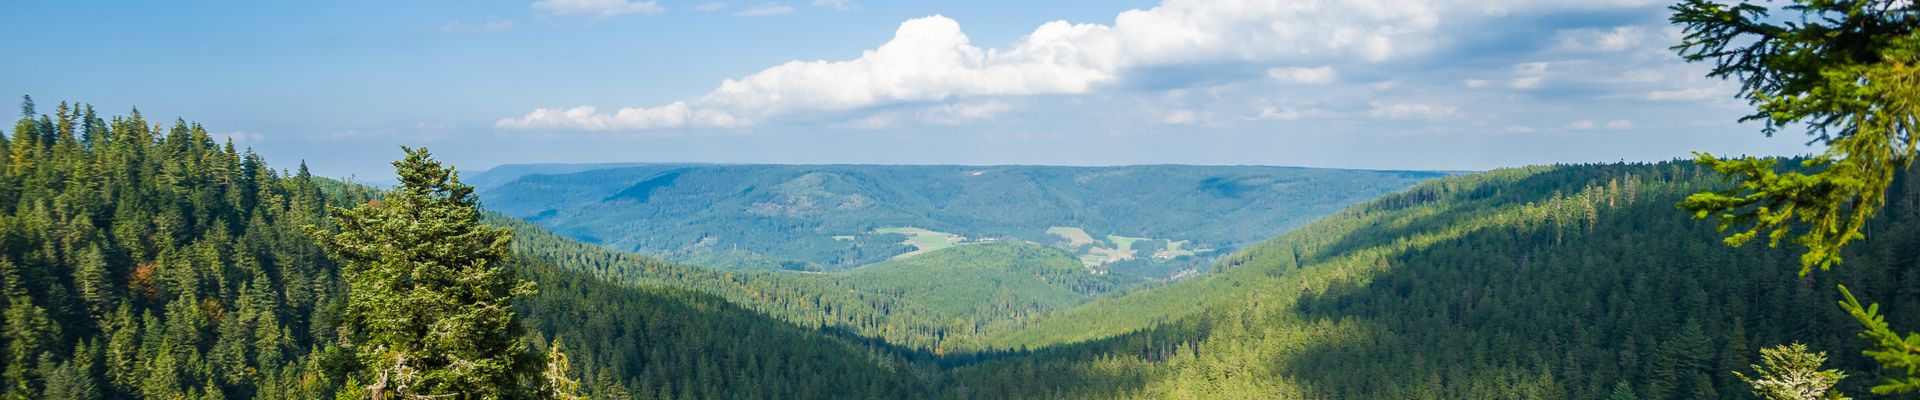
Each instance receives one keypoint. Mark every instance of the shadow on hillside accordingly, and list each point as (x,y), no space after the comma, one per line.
(1124,365)
(1641,299)
(1634,296)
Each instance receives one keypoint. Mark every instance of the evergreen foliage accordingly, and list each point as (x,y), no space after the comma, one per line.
(1790,372)
(1848,70)
(430,294)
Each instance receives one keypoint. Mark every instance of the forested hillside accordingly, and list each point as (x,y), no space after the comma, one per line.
(141,260)
(951,300)
(1540,282)
(145,261)
(836,217)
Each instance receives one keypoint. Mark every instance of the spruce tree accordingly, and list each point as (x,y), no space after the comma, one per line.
(429,308)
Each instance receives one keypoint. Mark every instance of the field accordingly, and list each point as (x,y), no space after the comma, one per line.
(1076,237)
(922,240)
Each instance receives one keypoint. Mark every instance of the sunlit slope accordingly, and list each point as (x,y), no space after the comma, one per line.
(979,283)
(1540,282)
(944,300)
(1310,256)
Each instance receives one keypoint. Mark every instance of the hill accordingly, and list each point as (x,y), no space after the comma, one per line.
(139,260)
(1146,221)
(1539,282)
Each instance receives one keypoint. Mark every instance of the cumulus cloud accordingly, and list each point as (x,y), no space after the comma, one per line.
(599,8)
(1619,124)
(963,114)
(711,6)
(1390,110)
(766,10)
(1313,76)
(1582,125)
(932,60)
(1597,40)
(955,114)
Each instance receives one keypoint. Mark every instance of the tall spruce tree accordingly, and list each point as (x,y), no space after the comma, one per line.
(429,311)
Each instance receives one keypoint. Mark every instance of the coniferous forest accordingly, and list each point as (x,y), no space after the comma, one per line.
(146,261)
(154,259)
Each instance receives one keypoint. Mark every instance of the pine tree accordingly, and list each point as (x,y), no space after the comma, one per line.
(1790,372)
(430,296)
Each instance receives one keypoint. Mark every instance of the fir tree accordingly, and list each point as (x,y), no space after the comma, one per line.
(429,308)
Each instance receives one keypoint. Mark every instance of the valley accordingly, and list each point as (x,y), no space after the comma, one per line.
(1573,280)
(1152,222)
(848,199)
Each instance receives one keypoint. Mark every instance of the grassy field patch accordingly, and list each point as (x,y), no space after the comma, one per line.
(922,240)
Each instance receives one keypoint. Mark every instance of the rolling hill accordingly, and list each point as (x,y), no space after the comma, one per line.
(1539,282)
(1144,221)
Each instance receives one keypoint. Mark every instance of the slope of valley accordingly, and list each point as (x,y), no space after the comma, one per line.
(146,262)
(1540,282)
(153,263)
(1148,222)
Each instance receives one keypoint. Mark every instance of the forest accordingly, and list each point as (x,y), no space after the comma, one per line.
(145,258)
(129,273)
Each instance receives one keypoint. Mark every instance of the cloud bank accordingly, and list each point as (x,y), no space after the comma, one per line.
(932,61)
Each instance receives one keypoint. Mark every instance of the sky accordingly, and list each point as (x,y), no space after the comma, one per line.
(1376,84)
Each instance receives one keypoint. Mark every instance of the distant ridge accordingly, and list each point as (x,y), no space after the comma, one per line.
(1150,221)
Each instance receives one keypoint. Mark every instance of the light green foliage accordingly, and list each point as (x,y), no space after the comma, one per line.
(429,309)
(557,381)
(1888,347)
(1790,372)
(1847,71)
(978,285)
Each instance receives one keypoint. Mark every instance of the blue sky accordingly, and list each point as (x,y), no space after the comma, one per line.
(1392,84)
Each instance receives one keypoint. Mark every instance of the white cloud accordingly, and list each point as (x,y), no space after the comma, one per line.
(1619,124)
(599,8)
(1519,129)
(876,121)
(766,10)
(1596,40)
(711,6)
(1314,76)
(675,115)
(841,5)
(1582,125)
(963,114)
(1525,83)
(931,60)
(1410,110)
